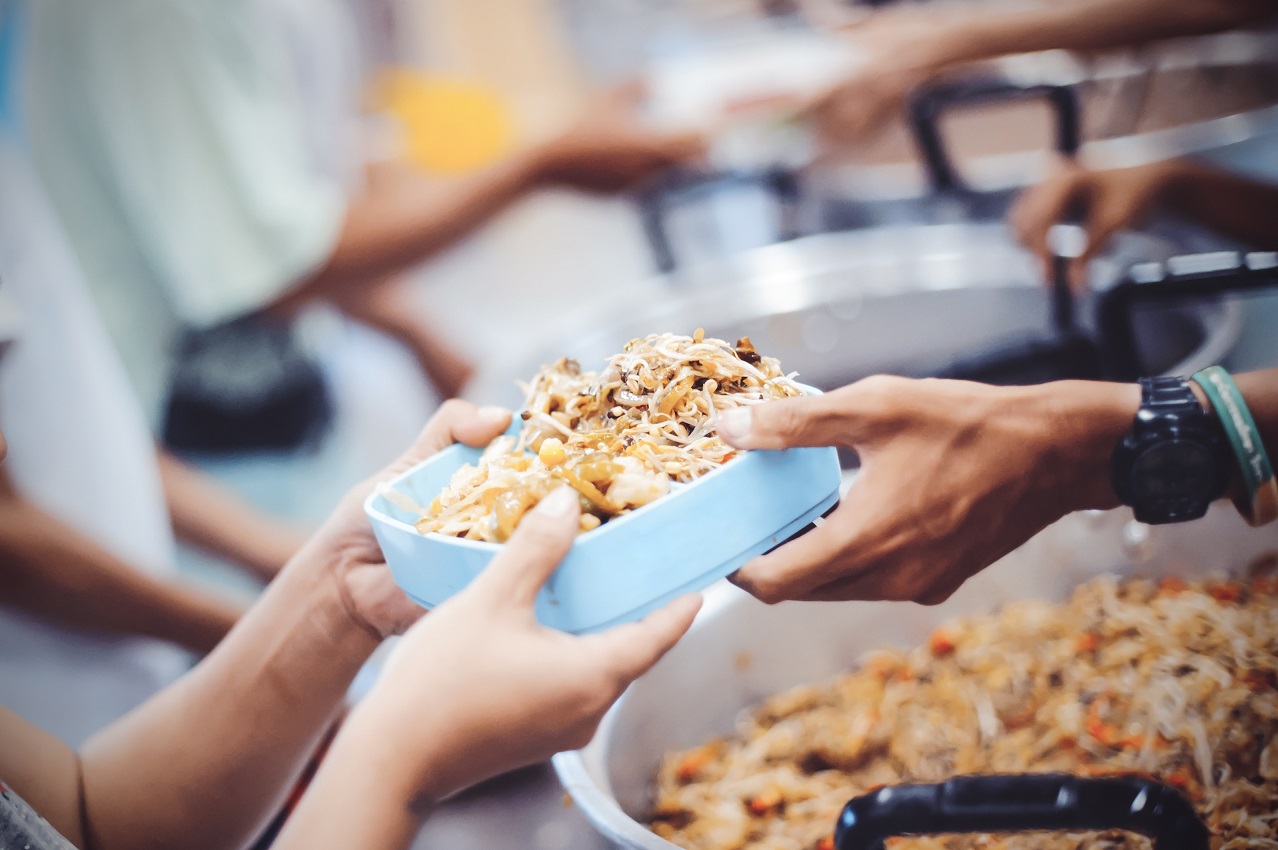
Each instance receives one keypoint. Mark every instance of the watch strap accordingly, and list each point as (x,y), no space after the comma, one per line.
(1169,410)
(1169,394)
(1259,487)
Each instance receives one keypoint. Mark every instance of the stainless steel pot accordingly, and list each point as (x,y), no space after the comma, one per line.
(741,651)
(837,307)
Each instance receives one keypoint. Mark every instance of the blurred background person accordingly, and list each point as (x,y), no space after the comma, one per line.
(208,162)
(92,617)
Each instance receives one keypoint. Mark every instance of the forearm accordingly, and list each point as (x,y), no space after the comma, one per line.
(403,217)
(44,771)
(361,796)
(1244,209)
(210,518)
(51,570)
(209,760)
(1084,25)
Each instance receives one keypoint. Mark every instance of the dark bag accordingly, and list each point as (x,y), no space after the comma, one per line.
(246,385)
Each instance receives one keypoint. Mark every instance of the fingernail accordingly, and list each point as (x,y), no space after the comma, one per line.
(492,413)
(734,424)
(560,504)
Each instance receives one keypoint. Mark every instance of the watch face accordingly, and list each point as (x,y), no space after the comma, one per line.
(1173,470)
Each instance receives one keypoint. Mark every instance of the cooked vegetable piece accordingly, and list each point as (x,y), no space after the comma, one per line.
(1176,681)
(619,437)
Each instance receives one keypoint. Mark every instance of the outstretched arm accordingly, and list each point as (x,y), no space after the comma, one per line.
(908,47)
(1085,25)
(52,570)
(206,762)
(404,216)
(476,688)
(954,475)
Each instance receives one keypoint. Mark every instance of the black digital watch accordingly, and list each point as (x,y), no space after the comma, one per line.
(1175,460)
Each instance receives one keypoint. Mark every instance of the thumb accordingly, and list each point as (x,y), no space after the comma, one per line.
(628,651)
(824,420)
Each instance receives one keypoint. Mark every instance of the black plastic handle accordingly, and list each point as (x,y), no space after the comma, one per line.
(682,187)
(931,101)
(1022,803)
(1189,276)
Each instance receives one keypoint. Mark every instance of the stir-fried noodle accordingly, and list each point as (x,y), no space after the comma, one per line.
(620,437)
(1172,680)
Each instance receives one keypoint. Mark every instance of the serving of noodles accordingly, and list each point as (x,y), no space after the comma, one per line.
(620,437)
(1174,680)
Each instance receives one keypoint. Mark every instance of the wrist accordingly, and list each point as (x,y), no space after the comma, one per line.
(1087,420)
(356,798)
(541,164)
(397,749)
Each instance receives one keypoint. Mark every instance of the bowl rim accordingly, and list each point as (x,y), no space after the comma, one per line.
(374,512)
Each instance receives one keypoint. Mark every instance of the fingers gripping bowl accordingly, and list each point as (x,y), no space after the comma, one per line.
(668,508)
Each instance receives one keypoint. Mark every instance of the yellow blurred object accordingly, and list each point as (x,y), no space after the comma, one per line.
(451,126)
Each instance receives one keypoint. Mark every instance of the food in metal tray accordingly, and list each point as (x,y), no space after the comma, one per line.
(619,437)
(1175,680)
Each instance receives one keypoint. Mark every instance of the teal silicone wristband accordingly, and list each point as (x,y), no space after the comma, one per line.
(1259,487)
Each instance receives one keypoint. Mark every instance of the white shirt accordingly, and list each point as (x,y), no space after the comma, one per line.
(80,449)
(199,153)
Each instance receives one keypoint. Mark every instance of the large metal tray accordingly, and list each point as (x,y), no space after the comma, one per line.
(741,651)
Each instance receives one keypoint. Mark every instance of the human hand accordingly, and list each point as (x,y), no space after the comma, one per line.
(345,546)
(899,52)
(608,151)
(479,687)
(953,476)
(1107,201)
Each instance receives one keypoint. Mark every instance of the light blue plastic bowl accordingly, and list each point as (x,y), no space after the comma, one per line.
(629,566)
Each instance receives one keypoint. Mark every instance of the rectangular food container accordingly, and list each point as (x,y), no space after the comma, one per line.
(630,565)
(741,651)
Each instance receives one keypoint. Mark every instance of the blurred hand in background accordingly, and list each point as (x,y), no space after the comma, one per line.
(1105,201)
(609,150)
(903,47)
(1110,200)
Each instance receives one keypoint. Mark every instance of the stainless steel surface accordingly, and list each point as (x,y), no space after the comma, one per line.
(838,307)
(740,650)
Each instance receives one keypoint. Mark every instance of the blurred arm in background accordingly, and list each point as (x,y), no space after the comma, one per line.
(1109,200)
(51,570)
(207,516)
(909,46)
(403,216)
(205,170)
